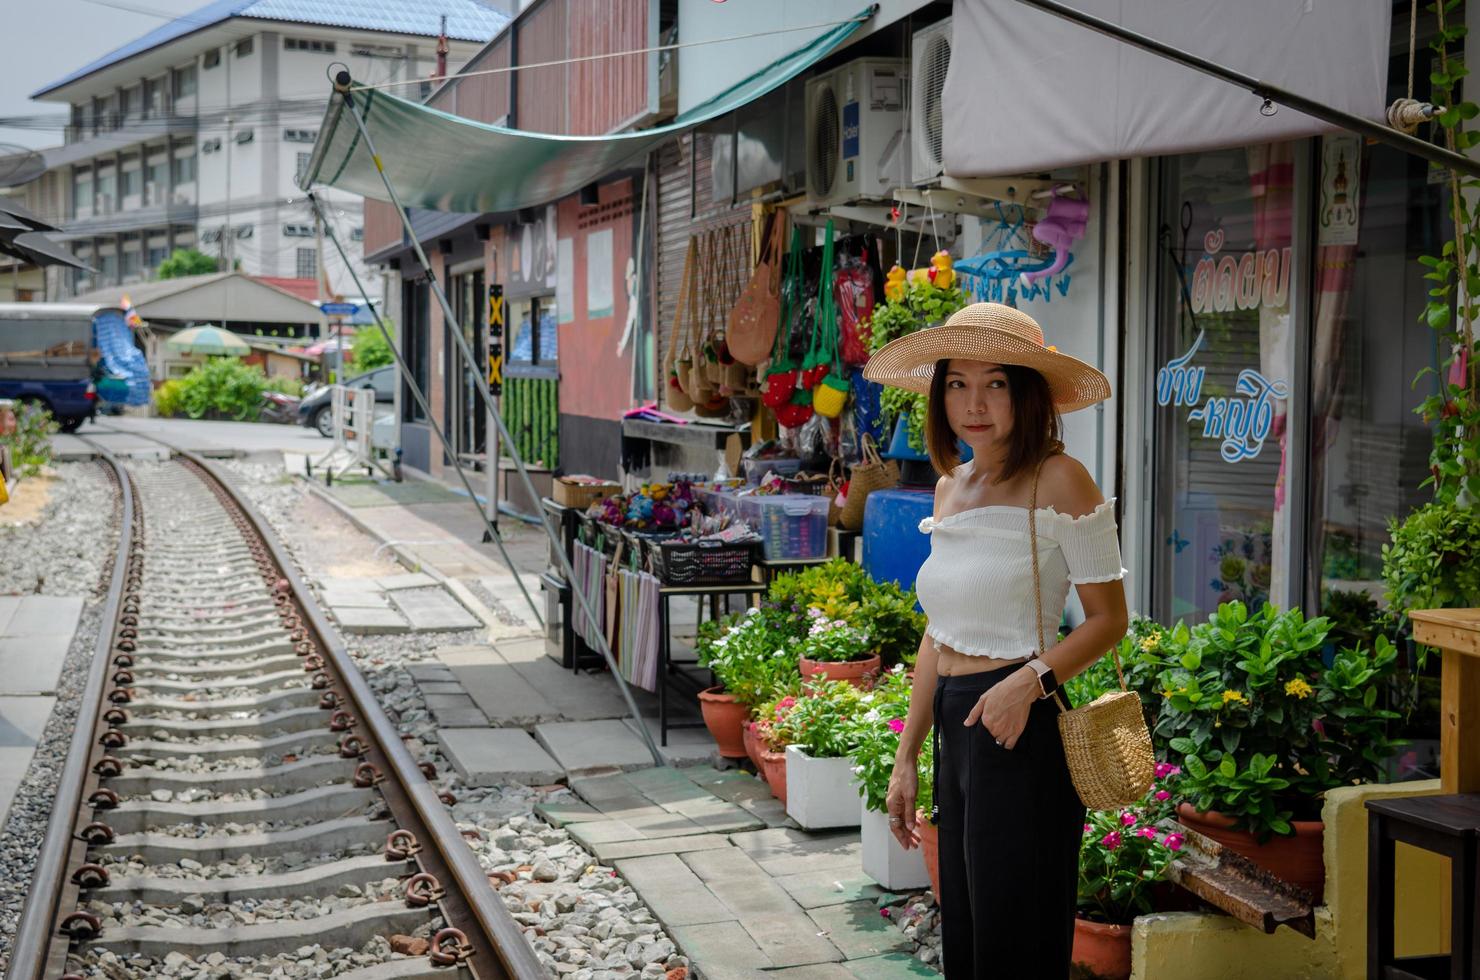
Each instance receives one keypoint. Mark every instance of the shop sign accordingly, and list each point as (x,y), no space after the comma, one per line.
(1239,281)
(1242,422)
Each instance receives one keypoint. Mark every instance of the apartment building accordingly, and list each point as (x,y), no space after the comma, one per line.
(192,135)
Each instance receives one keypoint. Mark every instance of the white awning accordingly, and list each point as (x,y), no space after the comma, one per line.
(1028,91)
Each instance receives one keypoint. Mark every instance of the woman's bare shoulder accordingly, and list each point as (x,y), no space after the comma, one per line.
(1067,486)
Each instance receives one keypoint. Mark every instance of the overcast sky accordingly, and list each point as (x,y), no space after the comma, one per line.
(50,38)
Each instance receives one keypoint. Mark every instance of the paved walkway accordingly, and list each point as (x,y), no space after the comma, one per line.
(35,632)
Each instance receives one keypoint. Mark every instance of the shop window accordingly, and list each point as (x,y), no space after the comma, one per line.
(1225,273)
(532,338)
(1376,212)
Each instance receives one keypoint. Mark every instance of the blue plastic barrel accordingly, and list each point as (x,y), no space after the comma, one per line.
(893,547)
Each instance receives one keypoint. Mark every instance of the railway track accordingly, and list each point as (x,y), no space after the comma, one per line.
(234,801)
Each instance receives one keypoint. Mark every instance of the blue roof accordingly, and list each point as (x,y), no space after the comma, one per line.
(467,20)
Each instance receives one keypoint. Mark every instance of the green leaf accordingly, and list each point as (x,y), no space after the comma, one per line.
(1228,768)
(1183,745)
(1437,316)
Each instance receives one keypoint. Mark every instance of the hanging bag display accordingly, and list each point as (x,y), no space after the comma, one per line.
(853,291)
(1106,743)
(757,314)
(683,353)
(781,376)
(872,473)
(676,396)
(830,394)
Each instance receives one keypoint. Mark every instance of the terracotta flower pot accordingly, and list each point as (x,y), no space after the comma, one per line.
(724,716)
(1102,949)
(752,744)
(930,847)
(857,672)
(1299,859)
(773,768)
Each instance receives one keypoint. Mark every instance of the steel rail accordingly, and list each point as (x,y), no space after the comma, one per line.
(470,904)
(35,936)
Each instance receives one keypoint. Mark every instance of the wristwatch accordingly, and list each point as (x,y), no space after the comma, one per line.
(1046,680)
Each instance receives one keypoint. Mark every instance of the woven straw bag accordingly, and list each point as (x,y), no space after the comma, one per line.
(872,473)
(1106,742)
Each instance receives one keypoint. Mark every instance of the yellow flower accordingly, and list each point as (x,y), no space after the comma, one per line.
(1234,696)
(1151,642)
(1166,692)
(1298,688)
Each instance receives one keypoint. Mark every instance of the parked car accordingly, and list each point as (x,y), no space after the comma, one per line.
(317,410)
(48,355)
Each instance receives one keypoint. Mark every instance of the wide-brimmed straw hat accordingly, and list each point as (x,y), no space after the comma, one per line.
(994,333)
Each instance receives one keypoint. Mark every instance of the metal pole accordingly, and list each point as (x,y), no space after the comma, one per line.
(496,331)
(1264,90)
(341,85)
(421,401)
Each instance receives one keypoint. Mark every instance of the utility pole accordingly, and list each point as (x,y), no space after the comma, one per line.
(442,51)
(226,229)
(318,265)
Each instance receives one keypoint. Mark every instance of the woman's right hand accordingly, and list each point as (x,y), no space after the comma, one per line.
(904,784)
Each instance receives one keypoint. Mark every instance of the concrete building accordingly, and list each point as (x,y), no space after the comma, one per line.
(192,135)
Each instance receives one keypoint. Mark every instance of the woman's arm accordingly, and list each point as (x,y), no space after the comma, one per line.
(904,781)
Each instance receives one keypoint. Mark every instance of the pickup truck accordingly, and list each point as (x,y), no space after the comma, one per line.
(48,354)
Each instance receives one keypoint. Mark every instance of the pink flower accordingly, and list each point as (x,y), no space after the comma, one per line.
(1128,819)
(884,912)
(896,725)
(1086,828)
(1111,840)
(1162,769)
(1147,832)
(1162,796)
(1173,842)
(786,702)
(1318,727)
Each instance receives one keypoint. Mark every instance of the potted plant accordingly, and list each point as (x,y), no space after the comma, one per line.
(836,651)
(818,731)
(749,657)
(925,803)
(875,742)
(1122,857)
(769,730)
(843,590)
(1263,728)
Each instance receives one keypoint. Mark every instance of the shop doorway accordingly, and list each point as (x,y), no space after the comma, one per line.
(467,420)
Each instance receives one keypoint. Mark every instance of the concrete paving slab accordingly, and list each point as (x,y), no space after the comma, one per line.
(368,621)
(771,812)
(8,605)
(22,720)
(815,971)
(617,850)
(675,895)
(523,650)
(890,966)
(729,864)
(410,580)
(32,664)
(430,672)
(815,889)
(490,756)
(605,831)
(724,949)
(455,711)
(576,697)
(440,687)
(498,689)
(345,599)
(786,851)
(350,583)
(859,930)
(45,615)
(579,745)
(789,938)
(67,449)
(567,814)
(429,610)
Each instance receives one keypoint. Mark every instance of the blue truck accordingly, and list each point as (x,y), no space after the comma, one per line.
(49,355)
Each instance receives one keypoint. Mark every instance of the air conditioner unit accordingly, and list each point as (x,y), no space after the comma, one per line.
(855,120)
(930,58)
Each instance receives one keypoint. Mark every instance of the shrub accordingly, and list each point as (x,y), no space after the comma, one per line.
(168,398)
(876,733)
(186,262)
(222,386)
(286,386)
(1123,853)
(1433,561)
(749,655)
(839,589)
(820,721)
(369,350)
(30,443)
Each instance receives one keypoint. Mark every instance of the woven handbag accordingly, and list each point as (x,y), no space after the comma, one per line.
(757,313)
(872,473)
(1106,742)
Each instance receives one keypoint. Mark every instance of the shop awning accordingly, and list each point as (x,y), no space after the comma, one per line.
(444,162)
(1027,91)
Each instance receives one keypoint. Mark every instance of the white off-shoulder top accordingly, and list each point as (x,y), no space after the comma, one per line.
(977,585)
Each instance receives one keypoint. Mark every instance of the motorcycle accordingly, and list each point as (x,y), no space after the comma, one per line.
(278,407)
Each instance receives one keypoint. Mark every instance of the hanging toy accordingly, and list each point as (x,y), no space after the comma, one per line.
(1061,227)
(943,275)
(895,285)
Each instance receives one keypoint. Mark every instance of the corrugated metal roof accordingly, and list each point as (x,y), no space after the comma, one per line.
(467,20)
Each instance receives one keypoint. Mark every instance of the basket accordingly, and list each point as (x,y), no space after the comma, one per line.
(792,526)
(701,562)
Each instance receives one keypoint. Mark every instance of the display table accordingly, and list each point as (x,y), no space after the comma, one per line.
(685,675)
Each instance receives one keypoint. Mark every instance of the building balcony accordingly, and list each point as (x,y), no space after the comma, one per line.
(132,219)
(83,145)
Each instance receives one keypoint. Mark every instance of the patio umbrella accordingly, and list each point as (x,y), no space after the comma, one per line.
(208,340)
(332,345)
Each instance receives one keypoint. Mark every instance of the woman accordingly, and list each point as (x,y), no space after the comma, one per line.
(1008,817)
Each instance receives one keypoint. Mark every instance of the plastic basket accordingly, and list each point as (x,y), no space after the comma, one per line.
(701,562)
(791,526)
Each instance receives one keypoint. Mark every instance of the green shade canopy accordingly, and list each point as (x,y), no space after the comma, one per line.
(444,162)
(208,340)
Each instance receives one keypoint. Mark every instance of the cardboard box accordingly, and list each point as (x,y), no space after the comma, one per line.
(579,494)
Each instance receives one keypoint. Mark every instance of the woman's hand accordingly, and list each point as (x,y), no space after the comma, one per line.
(1003,709)
(904,784)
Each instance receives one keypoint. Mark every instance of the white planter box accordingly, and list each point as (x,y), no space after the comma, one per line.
(884,860)
(820,792)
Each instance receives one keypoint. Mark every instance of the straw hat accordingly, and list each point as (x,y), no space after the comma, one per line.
(994,333)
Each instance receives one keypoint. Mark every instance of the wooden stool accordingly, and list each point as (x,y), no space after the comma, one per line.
(1447,825)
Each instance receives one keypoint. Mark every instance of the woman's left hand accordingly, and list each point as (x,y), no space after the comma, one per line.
(1004,709)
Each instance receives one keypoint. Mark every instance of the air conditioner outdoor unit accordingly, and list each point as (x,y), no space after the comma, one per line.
(855,120)
(930,58)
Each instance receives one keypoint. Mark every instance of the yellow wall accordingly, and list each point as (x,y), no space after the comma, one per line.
(1193,944)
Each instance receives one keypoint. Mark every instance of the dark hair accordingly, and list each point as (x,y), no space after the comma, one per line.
(1036,427)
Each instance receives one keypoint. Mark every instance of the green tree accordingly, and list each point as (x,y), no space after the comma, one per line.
(369,350)
(186,262)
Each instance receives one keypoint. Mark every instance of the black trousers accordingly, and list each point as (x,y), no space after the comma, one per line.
(1010,823)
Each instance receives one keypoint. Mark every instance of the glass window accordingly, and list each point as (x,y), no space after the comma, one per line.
(157,255)
(153,97)
(107,192)
(243,47)
(156,182)
(133,263)
(108,268)
(129,181)
(532,337)
(307,263)
(185,169)
(302,166)
(82,194)
(128,102)
(1223,357)
(211,58)
(184,81)
(415,316)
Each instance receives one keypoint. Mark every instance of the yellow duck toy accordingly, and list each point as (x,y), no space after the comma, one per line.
(894,284)
(943,274)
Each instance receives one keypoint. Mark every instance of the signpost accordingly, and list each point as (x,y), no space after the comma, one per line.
(339,309)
